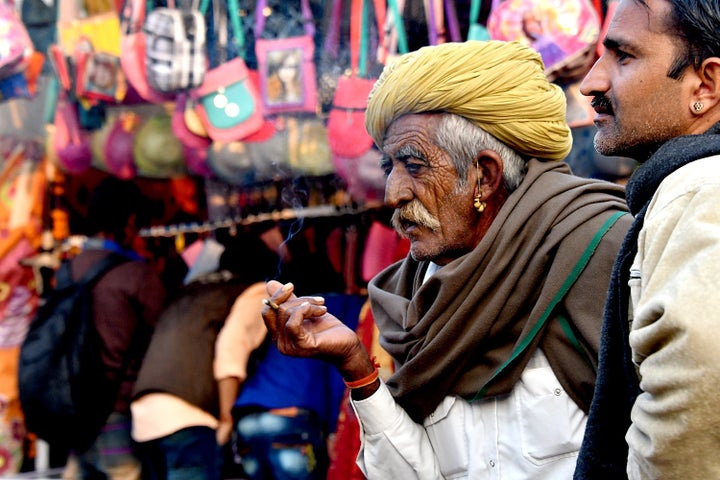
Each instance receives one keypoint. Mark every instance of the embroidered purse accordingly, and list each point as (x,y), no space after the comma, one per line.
(287,66)
(227,102)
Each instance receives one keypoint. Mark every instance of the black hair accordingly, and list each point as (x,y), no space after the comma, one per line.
(696,23)
(111,205)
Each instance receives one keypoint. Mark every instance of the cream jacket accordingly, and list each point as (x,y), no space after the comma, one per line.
(675,333)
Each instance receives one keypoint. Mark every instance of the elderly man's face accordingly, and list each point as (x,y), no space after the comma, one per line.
(431,208)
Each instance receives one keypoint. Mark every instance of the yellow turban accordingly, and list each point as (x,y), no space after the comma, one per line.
(499,86)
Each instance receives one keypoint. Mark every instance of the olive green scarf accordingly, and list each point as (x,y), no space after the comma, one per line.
(451,334)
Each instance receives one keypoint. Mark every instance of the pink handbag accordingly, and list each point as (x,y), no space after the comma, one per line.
(71,143)
(228,103)
(118,148)
(346,122)
(287,66)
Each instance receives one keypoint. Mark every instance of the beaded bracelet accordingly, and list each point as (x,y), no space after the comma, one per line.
(365,381)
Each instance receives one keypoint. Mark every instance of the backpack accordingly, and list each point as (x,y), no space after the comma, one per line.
(63,391)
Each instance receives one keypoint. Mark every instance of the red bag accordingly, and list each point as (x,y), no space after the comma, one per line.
(346,123)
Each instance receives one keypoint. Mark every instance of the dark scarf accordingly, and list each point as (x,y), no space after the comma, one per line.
(604,452)
(450,334)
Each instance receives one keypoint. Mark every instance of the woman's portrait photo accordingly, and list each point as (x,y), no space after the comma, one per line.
(284,84)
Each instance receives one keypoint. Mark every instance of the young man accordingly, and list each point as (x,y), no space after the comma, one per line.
(494,344)
(656,91)
(127,302)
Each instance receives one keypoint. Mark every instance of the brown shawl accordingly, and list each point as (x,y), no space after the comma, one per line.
(449,335)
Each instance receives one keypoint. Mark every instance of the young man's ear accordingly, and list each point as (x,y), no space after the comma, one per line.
(707,94)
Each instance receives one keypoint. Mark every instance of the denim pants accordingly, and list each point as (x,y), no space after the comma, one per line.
(282,447)
(112,455)
(188,454)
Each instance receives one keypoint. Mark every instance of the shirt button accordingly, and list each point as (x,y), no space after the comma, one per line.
(558,392)
(492,463)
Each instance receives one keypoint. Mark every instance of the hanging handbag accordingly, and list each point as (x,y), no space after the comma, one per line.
(287,66)
(227,102)
(175,56)
(119,145)
(346,122)
(16,47)
(133,47)
(70,142)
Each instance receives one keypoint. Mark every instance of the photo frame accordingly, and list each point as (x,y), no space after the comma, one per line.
(287,74)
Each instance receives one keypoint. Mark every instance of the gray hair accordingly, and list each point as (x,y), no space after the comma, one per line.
(462,140)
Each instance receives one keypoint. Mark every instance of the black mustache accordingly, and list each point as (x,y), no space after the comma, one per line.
(601,103)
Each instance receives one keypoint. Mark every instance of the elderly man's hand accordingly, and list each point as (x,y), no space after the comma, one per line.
(302,327)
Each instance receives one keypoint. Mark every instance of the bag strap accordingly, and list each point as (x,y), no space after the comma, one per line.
(332,34)
(359,37)
(432,22)
(64,276)
(476,31)
(564,288)
(397,22)
(308,20)
(452,21)
(222,11)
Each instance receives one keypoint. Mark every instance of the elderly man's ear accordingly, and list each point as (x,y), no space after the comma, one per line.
(487,174)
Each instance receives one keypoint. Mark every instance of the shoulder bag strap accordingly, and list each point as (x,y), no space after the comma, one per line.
(564,288)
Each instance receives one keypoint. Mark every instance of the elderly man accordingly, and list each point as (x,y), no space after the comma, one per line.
(494,318)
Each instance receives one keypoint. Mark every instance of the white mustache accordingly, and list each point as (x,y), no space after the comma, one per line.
(414,212)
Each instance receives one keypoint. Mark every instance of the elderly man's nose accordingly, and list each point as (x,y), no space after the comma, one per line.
(397,189)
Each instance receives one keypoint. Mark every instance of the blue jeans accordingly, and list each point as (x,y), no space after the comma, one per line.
(282,447)
(111,456)
(188,454)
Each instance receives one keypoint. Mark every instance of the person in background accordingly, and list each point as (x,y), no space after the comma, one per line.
(656,94)
(493,319)
(196,362)
(127,302)
(287,409)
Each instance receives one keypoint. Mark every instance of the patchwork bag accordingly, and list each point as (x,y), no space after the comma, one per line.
(132,45)
(287,66)
(175,56)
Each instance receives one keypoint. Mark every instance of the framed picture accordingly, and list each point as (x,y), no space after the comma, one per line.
(287,74)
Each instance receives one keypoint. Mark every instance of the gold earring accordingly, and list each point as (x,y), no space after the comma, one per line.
(697,106)
(479,204)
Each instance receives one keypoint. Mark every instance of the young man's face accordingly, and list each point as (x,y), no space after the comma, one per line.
(638,106)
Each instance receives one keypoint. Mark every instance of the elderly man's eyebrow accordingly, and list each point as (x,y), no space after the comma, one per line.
(409,151)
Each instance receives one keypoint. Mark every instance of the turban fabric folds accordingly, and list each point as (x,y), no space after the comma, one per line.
(499,86)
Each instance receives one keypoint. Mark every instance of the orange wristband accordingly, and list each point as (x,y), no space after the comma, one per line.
(365,381)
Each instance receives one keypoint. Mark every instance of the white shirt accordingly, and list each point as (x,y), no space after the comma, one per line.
(534,432)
